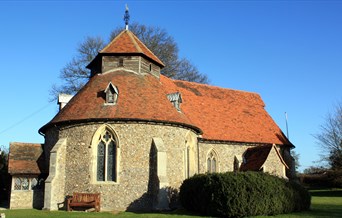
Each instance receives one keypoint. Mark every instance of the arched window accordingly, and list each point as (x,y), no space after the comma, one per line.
(236,164)
(212,162)
(106,157)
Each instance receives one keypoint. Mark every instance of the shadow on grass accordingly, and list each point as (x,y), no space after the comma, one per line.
(333,212)
(314,213)
(175,213)
(326,193)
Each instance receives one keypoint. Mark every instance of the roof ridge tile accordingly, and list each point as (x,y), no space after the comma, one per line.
(134,42)
(127,42)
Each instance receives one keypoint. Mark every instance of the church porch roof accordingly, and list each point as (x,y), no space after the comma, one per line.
(26,158)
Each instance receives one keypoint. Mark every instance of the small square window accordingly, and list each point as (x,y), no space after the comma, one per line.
(121,62)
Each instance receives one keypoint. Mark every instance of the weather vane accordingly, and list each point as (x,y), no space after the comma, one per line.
(126,17)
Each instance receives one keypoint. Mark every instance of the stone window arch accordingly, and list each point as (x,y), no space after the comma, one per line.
(212,162)
(106,154)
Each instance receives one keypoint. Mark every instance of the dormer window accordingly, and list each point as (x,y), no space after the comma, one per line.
(112,94)
(175,99)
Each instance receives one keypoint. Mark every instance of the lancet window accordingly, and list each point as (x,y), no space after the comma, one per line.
(106,157)
(211,162)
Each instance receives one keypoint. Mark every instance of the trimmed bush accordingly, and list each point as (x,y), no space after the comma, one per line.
(242,194)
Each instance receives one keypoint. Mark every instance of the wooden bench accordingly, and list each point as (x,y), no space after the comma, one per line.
(84,200)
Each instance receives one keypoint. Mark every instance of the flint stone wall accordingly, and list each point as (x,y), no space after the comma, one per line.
(131,191)
(135,187)
(226,154)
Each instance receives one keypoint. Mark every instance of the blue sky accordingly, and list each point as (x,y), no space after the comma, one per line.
(290,52)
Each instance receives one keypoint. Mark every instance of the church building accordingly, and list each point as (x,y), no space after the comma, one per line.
(132,135)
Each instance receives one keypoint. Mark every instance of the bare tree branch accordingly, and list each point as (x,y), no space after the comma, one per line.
(74,75)
(330,138)
(166,49)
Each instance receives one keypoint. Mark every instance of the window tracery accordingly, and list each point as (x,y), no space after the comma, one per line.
(106,157)
(212,162)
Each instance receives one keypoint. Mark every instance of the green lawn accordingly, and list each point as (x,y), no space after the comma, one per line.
(59,214)
(325,203)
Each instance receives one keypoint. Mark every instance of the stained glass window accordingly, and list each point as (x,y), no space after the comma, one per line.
(106,158)
(111,161)
(107,136)
(100,161)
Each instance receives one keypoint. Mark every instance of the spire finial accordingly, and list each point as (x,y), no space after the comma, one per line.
(126,17)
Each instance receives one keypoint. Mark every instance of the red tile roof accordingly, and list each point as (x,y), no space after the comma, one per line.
(140,98)
(226,114)
(26,158)
(221,114)
(127,43)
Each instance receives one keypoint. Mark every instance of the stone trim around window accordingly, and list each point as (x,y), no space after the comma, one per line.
(212,162)
(104,141)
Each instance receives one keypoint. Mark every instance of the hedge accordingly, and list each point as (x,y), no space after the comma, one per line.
(322,179)
(242,194)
